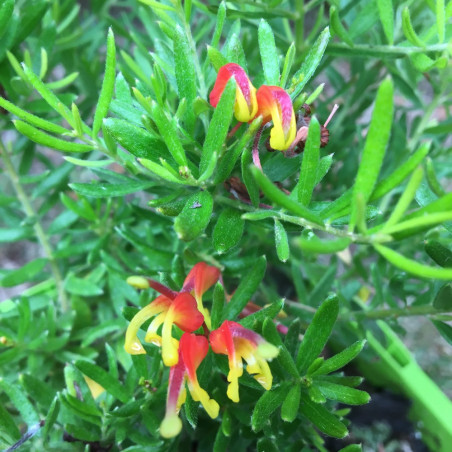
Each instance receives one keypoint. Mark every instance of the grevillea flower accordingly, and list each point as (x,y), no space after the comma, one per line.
(192,350)
(200,279)
(240,343)
(275,104)
(245,107)
(181,311)
(179,308)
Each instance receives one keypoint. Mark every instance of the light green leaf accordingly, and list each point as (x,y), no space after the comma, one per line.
(269,54)
(374,148)
(343,394)
(88,163)
(408,29)
(310,64)
(18,398)
(218,127)
(291,404)
(47,140)
(315,245)
(288,62)
(108,84)
(413,267)
(23,274)
(216,58)
(161,171)
(81,286)
(310,163)
(386,11)
(338,28)
(106,190)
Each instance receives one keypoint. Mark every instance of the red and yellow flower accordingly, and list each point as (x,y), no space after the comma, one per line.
(171,308)
(245,107)
(275,105)
(192,350)
(239,344)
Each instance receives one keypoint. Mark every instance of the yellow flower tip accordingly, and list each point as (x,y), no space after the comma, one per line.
(264,380)
(233,390)
(170,355)
(134,347)
(153,338)
(212,408)
(170,426)
(138,282)
(267,351)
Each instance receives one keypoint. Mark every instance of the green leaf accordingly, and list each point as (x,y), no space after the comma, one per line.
(195,216)
(49,96)
(408,29)
(185,74)
(281,199)
(443,299)
(441,19)
(406,198)
(444,329)
(341,359)
(439,253)
(234,51)
(310,163)
(23,274)
(81,286)
(321,417)
(291,404)
(29,19)
(338,28)
(221,16)
(281,242)
(82,209)
(284,357)
(413,267)
(248,179)
(315,245)
(310,64)
(386,11)
(17,396)
(32,119)
(248,285)
(217,305)
(374,148)
(270,311)
(228,230)
(343,394)
(288,62)
(108,84)
(317,334)
(8,427)
(169,133)
(88,163)
(106,190)
(221,441)
(218,127)
(413,225)
(266,444)
(161,171)
(6,10)
(47,140)
(352,448)
(265,406)
(229,159)
(216,58)
(269,54)
(102,377)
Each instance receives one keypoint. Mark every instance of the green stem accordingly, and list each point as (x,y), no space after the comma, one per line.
(39,231)
(396,312)
(299,25)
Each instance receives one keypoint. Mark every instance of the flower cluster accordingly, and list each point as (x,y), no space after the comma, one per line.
(272,103)
(186,311)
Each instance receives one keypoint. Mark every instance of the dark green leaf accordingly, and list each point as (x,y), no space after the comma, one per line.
(321,417)
(20,401)
(291,404)
(317,334)
(248,179)
(439,253)
(444,329)
(248,285)
(195,216)
(265,406)
(270,311)
(8,427)
(102,377)
(105,190)
(228,230)
(217,305)
(338,28)
(443,299)
(6,10)
(343,394)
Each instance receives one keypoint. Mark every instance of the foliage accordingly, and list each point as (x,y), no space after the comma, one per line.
(114,164)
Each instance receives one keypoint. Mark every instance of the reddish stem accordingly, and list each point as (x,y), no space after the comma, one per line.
(161,288)
(234,129)
(256,159)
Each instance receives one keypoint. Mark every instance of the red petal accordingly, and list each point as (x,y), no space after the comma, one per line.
(201,278)
(186,314)
(221,339)
(223,77)
(193,350)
